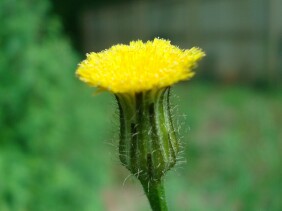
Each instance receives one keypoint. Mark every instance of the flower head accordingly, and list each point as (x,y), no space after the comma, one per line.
(140,75)
(139,66)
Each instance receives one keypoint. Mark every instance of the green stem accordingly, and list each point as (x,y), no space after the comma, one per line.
(156,195)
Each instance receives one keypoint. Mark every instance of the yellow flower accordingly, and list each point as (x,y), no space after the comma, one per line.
(139,66)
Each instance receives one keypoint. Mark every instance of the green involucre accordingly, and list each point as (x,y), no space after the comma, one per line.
(148,144)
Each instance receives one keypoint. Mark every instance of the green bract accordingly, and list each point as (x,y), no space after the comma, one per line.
(148,144)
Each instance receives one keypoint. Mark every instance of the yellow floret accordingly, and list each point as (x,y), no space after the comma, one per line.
(138,66)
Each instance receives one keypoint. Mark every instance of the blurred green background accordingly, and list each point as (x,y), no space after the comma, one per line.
(58,142)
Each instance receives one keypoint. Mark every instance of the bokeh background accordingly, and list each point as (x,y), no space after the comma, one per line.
(58,142)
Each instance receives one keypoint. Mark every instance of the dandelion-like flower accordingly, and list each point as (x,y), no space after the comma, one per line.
(140,75)
(139,66)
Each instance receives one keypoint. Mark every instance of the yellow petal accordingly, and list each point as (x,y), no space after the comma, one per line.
(138,66)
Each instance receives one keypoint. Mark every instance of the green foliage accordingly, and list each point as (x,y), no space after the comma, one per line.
(232,149)
(45,154)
